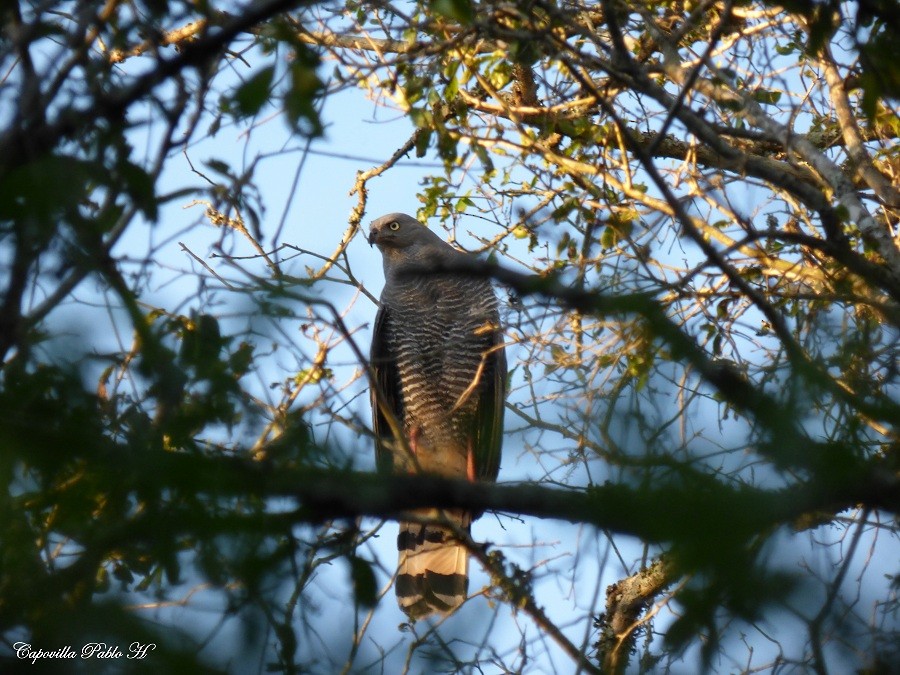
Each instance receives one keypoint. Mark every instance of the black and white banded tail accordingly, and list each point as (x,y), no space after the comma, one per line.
(433,571)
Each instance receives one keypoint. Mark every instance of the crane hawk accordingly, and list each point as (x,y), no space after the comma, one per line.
(440,381)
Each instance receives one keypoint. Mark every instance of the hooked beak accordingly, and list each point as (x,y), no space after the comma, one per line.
(371,238)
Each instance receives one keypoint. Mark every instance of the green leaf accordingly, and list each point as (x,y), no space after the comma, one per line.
(300,98)
(24,195)
(463,203)
(141,188)
(364,584)
(767,97)
(880,77)
(487,163)
(219,166)
(241,360)
(722,308)
(423,138)
(608,238)
(458,10)
(452,88)
(201,344)
(421,118)
(253,94)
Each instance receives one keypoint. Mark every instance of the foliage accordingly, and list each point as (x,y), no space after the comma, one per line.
(693,208)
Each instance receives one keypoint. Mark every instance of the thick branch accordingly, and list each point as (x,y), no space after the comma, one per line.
(853,137)
(173,37)
(654,514)
(362,42)
(626,600)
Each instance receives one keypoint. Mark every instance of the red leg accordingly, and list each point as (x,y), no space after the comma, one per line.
(470,463)
(413,448)
(414,439)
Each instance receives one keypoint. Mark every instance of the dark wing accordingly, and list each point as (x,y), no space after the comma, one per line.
(489,413)
(385,394)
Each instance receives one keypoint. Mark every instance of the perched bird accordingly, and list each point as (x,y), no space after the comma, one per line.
(440,384)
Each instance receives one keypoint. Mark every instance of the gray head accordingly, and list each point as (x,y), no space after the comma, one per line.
(404,240)
(400,231)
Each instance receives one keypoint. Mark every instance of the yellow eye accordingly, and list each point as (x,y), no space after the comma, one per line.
(394,226)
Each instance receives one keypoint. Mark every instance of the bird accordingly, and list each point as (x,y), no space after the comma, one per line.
(437,396)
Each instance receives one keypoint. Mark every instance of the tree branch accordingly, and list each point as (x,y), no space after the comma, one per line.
(651,513)
(21,143)
(625,602)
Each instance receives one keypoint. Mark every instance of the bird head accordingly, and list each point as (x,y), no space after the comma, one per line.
(398,231)
(407,245)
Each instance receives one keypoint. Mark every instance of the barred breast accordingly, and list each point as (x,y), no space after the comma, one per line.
(441,330)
